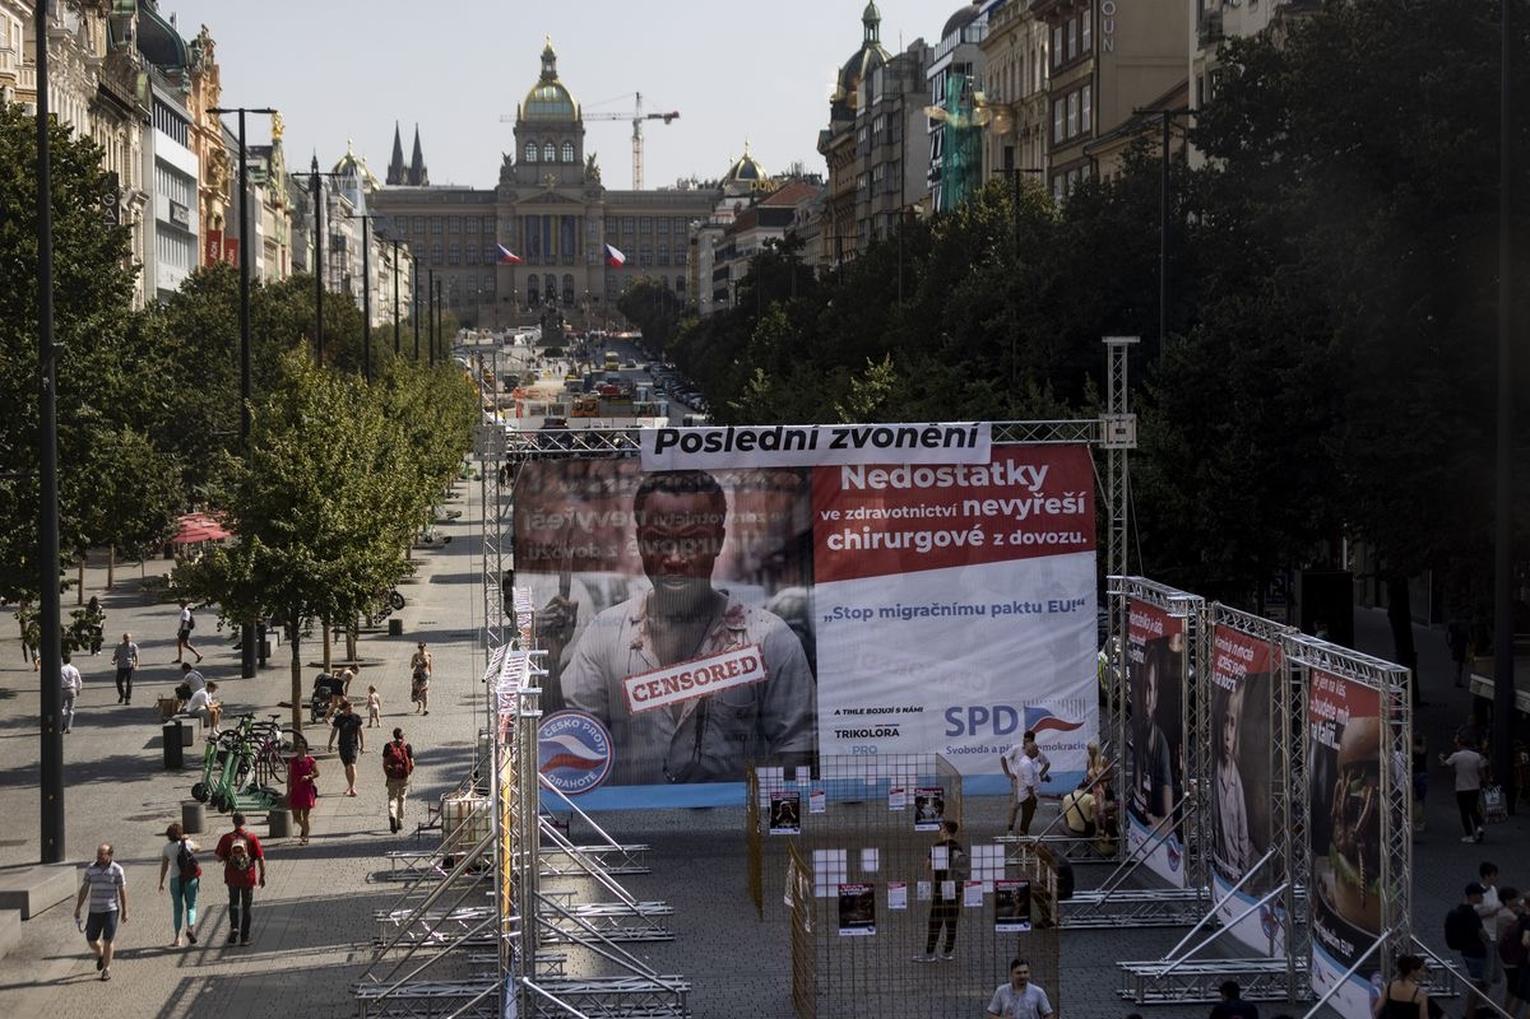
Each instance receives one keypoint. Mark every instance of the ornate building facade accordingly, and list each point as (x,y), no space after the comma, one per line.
(551,209)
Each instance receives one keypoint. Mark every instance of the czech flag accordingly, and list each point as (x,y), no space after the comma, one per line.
(614,258)
(508,257)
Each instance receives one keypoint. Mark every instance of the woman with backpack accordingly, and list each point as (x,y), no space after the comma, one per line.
(398,765)
(302,786)
(179,859)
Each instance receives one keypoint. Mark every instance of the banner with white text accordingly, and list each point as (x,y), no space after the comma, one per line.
(702,619)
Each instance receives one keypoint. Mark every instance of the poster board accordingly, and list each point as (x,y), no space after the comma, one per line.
(1157,658)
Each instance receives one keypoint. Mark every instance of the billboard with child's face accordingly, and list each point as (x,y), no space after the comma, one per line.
(1242,776)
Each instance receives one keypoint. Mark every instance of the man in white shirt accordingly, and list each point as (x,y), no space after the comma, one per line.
(1020,999)
(205,707)
(1020,765)
(69,677)
(1469,766)
(192,677)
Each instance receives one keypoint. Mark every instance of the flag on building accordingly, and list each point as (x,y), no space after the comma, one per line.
(508,257)
(614,258)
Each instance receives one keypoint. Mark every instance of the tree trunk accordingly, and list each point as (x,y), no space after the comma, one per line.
(111,565)
(327,644)
(79,594)
(1400,616)
(297,674)
(350,639)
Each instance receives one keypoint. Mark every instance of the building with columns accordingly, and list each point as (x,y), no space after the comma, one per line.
(551,209)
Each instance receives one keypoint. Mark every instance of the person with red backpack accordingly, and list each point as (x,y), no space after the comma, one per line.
(398,765)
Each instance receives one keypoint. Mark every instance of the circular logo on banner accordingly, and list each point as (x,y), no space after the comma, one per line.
(1172,845)
(573,751)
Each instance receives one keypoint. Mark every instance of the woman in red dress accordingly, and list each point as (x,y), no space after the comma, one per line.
(302,790)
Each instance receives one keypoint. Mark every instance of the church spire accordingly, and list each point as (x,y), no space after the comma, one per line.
(418,175)
(396,164)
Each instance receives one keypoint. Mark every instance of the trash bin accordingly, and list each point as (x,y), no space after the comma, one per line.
(193,817)
(175,750)
(395,627)
(280,820)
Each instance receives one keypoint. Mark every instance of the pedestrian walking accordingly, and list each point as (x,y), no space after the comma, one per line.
(1403,997)
(302,786)
(1498,923)
(105,885)
(1469,766)
(1514,952)
(398,765)
(419,690)
(1020,999)
(348,726)
(1420,768)
(188,622)
(241,854)
(374,707)
(95,624)
(1020,765)
(1458,639)
(422,659)
(178,858)
(1464,933)
(72,682)
(1232,1005)
(125,658)
(945,864)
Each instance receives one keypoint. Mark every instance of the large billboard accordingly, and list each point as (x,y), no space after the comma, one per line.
(1344,770)
(1156,666)
(699,620)
(1242,773)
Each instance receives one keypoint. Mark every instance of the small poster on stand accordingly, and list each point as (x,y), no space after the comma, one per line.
(897,798)
(929,808)
(818,803)
(786,813)
(923,890)
(972,895)
(1012,906)
(857,910)
(897,895)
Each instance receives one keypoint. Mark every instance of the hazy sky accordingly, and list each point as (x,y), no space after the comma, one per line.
(346,69)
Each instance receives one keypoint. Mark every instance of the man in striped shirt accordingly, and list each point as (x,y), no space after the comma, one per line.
(105,885)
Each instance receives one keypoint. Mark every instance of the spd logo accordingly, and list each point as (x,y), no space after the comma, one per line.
(573,751)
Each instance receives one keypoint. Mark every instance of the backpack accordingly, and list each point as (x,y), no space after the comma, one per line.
(191,620)
(397,761)
(1461,927)
(186,863)
(1511,947)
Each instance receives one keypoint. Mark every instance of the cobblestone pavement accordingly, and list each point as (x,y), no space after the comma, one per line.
(313,926)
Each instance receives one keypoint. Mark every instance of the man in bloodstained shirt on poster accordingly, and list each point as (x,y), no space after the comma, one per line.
(681,521)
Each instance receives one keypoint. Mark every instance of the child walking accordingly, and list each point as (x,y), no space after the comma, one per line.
(374,707)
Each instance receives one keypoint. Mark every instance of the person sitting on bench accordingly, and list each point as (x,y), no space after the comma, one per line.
(203,705)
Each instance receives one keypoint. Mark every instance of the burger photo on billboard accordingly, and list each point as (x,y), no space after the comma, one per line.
(1354,854)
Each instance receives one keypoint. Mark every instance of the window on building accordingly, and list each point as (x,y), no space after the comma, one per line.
(549,153)
(568,152)
(1072,38)
(435,253)
(1072,114)
(1085,33)
(1057,45)
(663,254)
(454,224)
(531,152)
(490,254)
(437,225)
(453,255)
(1086,114)
(1059,187)
(663,225)
(1058,112)
(629,225)
(645,225)
(645,255)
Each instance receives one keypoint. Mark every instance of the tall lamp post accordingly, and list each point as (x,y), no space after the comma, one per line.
(1014,173)
(247,629)
(316,191)
(1163,217)
(1503,530)
(414,301)
(51,752)
(366,295)
(430,313)
(440,337)
(395,297)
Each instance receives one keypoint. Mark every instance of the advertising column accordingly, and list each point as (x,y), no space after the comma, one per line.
(955,610)
(1156,652)
(1242,668)
(1345,772)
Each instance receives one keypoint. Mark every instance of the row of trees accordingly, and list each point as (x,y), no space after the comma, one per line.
(1328,368)
(339,475)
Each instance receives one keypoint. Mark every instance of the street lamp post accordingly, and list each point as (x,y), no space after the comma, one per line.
(1503,530)
(247,629)
(50,650)
(395,297)
(440,336)
(1168,116)
(414,301)
(316,192)
(430,313)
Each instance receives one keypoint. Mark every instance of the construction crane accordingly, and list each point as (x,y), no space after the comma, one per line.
(637,116)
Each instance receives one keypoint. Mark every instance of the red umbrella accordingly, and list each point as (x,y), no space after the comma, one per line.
(193,528)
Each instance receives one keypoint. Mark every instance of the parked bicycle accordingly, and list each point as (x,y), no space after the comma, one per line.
(243,763)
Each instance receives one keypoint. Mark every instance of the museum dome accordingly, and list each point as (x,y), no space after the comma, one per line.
(964,16)
(352,165)
(548,99)
(745,169)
